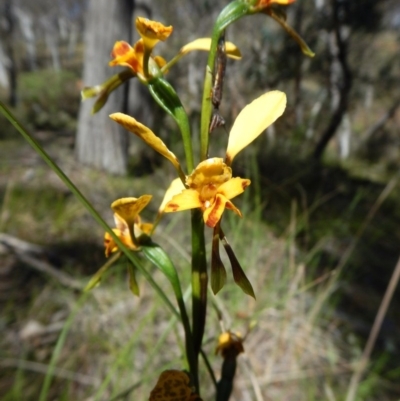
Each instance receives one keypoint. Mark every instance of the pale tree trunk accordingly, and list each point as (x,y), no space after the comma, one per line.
(102,143)
(9,16)
(341,76)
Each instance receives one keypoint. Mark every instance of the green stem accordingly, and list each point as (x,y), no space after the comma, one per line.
(171,63)
(130,255)
(186,137)
(232,12)
(206,102)
(199,280)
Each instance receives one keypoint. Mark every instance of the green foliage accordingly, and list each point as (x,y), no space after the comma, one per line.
(49,99)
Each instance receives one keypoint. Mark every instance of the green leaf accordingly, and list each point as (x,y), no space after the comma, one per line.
(231,13)
(156,255)
(164,94)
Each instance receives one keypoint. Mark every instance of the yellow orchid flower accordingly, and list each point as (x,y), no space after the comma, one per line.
(133,57)
(152,31)
(128,223)
(127,56)
(210,188)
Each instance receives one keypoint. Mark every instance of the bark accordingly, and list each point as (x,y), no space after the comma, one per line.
(343,84)
(9,16)
(102,143)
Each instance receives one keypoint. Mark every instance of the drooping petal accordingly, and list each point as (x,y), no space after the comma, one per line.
(234,187)
(129,208)
(218,272)
(103,90)
(213,213)
(176,187)
(253,120)
(204,44)
(187,199)
(147,135)
(238,274)
(152,31)
(281,19)
(229,205)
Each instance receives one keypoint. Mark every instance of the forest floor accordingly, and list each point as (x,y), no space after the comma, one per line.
(322,245)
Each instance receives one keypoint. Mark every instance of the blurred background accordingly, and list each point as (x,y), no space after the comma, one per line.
(323,212)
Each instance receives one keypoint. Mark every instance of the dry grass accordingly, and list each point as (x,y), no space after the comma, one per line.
(117,340)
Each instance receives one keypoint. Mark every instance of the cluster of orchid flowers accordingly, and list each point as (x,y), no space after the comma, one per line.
(208,188)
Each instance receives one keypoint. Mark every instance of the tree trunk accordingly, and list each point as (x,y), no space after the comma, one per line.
(102,143)
(9,16)
(341,78)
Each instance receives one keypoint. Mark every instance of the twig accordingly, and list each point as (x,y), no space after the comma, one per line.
(362,364)
(21,250)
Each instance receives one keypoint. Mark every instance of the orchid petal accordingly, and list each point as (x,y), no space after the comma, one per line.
(253,120)
(129,208)
(175,188)
(233,187)
(204,44)
(125,55)
(147,135)
(229,205)
(213,213)
(187,199)
(152,31)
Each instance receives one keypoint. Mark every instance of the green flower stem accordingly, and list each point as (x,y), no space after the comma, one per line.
(130,255)
(186,136)
(231,13)
(171,63)
(146,58)
(199,280)
(206,102)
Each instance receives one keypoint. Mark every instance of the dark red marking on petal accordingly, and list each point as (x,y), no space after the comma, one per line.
(245,184)
(213,217)
(173,206)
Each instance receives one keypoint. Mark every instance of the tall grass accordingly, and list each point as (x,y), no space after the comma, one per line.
(111,337)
